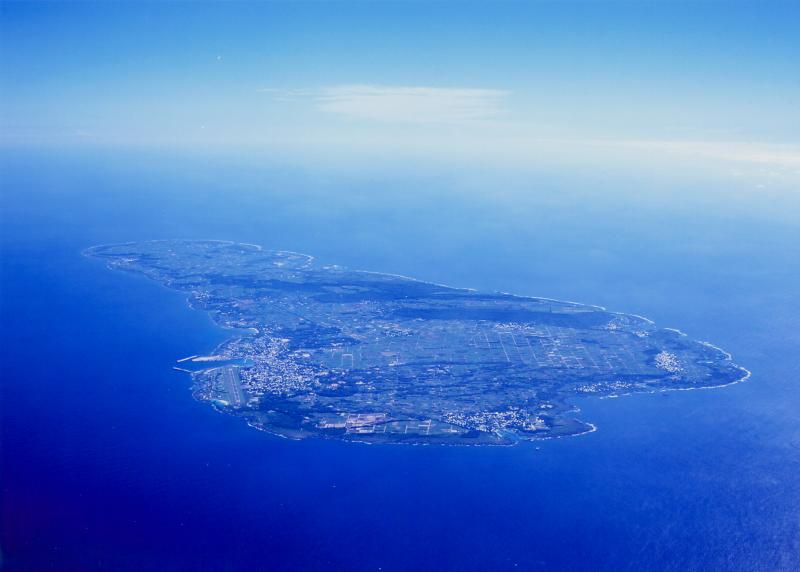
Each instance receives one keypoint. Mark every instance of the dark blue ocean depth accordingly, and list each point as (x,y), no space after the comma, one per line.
(109,464)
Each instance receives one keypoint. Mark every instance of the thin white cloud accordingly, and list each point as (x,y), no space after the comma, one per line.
(486,128)
(783,155)
(402,104)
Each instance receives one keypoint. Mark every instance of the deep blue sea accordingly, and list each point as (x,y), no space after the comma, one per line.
(109,464)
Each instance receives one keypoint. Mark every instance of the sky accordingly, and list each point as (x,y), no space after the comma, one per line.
(510,82)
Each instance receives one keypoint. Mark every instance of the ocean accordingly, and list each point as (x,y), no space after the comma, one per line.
(108,463)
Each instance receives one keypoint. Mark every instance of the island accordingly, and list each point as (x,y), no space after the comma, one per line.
(324,351)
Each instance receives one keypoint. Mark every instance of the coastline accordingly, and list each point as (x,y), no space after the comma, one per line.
(309,260)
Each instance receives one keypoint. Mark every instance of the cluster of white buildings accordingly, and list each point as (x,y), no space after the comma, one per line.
(491,421)
(668,362)
(274,368)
